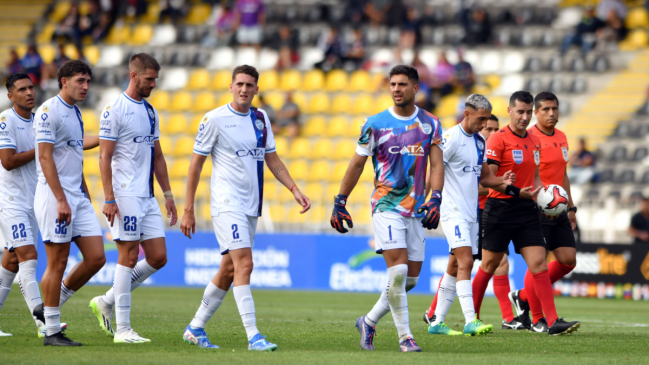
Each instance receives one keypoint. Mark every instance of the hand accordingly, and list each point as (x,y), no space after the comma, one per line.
(432,209)
(188,223)
(171,211)
(572,217)
(528,193)
(111,211)
(509,178)
(643,235)
(550,217)
(340,214)
(302,199)
(64,211)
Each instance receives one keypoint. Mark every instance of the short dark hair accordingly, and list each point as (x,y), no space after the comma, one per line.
(544,96)
(522,96)
(494,118)
(11,80)
(142,61)
(73,68)
(409,71)
(245,69)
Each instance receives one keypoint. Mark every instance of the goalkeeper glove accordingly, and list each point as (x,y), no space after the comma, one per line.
(340,214)
(432,209)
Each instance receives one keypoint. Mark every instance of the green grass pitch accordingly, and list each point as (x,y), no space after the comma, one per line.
(318,328)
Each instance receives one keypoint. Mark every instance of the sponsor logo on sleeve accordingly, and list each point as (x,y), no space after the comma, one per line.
(564,150)
(537,157)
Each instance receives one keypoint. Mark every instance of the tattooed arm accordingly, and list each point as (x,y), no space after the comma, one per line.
(280,172)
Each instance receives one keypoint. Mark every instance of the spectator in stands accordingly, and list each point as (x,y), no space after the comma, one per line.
(411,30)
(249,20)
(50,70)
(606,6)
(423,98)
(356,49)
(288,118)
(101,30)
(286,44)
(443,76)
(90,21)
(584,35)
(32,64)
(268,109)
(614,32)
(174,9)
(375,11)
(14,64)
(582,163)
(225,27)
(69,27)
(463,75)
(332,46)
(477,28)
(639,228)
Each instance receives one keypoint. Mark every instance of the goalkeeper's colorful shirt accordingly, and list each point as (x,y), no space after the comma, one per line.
(399,147)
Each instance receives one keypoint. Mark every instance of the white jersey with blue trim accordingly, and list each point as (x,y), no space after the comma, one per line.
(18,185)
(463,157)
(60,124)
(238,143)
(134,126)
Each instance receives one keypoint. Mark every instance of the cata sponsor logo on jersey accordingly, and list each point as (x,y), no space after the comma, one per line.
(144,139)
(255,153)
(75,143)
(517,155)
(477,170)
(413,150)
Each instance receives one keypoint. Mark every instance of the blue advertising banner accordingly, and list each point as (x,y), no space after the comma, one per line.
(289,261)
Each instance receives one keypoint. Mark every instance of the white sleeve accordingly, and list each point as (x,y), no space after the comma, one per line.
(366,142)
(156,131)
(207,136)
(109,124)
(47,122)
(7,133)
(270,137)
(448,146)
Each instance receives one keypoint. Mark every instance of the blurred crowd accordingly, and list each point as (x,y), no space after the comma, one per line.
(599,27)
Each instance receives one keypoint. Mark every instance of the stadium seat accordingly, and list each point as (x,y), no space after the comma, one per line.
(315,126)
(111,56)
(447,106)
(276,213)
(294,215)
(300,148)
(511,84)
(198,14)
(354,129)
(383,102)
(337,126)
(268,80)
(299,170)
(47,53)
(174,79)
(90,125)
(639,154)
(224,98)
(360,81)
(60,11)
(281,145)
(315,192)
(142,34)
(177,124)
(222,59)
(91,169)
(313,80)
(499,105)
(490,63)
(180,168)
(205,102)
(92,54)
(513,63)
(267,59)
(338,172)
(368,172)
(246,56)
(118,35)
(319,171)
(275,99)
(206,172)
(45,36)
(272,191)
(182,101)
(152,13)
(301,100)
(290,80)
(323,148)
(319,103)
(199,79)
(336,80)
(184,147)
(178,188)
(344,150)
(160,100)
(364,104)
(637,18)
(342,104)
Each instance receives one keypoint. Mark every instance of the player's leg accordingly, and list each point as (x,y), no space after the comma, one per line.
(92,250)
(27,258)
(501,290)
(444,299)
(429,315)
(8,272)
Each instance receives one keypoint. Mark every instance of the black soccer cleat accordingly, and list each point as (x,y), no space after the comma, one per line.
(39,313)
(540,326)
(561,327)
(429,320)
(59,339)
(521,306)
(514,324)
(525,321)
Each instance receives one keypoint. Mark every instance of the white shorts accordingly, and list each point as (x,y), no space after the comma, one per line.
(84,220)
(461,233)
(392,231)
(234,230)
(19,228)
(249,34)
(140,219)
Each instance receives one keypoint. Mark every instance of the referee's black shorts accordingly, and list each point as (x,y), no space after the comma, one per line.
(479,255)
(558,232)
(516,220)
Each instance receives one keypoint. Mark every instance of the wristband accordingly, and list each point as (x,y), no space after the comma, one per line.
(340,200)
(110,202)
(168,195)
(437,195)
(291,189)
(511,190)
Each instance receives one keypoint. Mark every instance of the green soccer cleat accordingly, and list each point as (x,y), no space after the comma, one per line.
(477,328)
(104,314)
(442,329)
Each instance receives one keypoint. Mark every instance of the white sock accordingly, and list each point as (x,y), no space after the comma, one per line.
(65,294)
(398,300)
(246,305)
(6,279)
(380,309)
(52,320)
(29,285)
(465,293)
(122,289)
(445,297)
(212,299)
(411,282)
(141,272)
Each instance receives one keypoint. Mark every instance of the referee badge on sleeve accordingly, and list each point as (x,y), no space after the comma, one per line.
(537,157)
(564,150)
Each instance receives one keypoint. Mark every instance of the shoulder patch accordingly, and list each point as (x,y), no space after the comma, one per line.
(108,107)
(46,109)
(3,118)
(447,135)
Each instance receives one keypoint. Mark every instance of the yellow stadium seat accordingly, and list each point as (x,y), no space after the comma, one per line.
(152,13)
(364,104)
(300,148)
(142,34)
(281,145)
(291,80)
(90,125)
(337,126)
(492,80)
(180,168)
(342,104)
(323,148)
(318,214)
(118,35)
(91,169)
(377,81)
(45,36)
(319,103)
(339,171)
(300,99)
(182,101)
(91,52)
(315,126)
(184,147)
(384,102)
(176,124)
(320,171)
(315,192)
(332,190)
(345,149)
(294,215)
(160,100)
(222,80)
(199,80)
(354,129)
(299,170)
(205,211)
(447,106)
(637,18)
(276,213)
(165,145)
(272,191)
(225,98)
(499,105)
(360,81)
(61,10)
(285,195)
(336,80)
(47,52)
(448,122)
(198,14)
(178,188)
(206,172)
(313,80)
(205,102)
(364,214)
(638,38)
(360,195)
(268,80)
(275,99)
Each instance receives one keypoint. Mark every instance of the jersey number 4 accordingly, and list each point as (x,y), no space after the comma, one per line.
(19,231)
(457,232)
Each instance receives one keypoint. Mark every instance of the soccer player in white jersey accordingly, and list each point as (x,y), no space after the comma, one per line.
(239,138)
(62,202)
(465,169)
(402,141)
(130,155)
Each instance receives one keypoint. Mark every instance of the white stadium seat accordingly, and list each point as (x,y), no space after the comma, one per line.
(267,59)
(513,63)
(246,56)
(511,84)
(111,56)
(490,63)
(163,35)
(174,78)
(222,59)
(310,56)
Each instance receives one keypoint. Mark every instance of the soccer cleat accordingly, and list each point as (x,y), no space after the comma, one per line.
(259,343)
(104,314)
(367,334)
(525,320)
(5,334)
(198,337)
(521,306)
(442,329)
(59,339)
(514,324)
(409,345)
(540,326)
(561,327)
(42,330)
(129,336)
(429,320)
(477,328)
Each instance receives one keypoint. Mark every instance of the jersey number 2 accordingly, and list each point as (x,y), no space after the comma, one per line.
(235,232)
(19,231)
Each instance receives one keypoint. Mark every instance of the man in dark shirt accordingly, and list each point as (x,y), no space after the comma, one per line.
(639,228)
(584,35)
